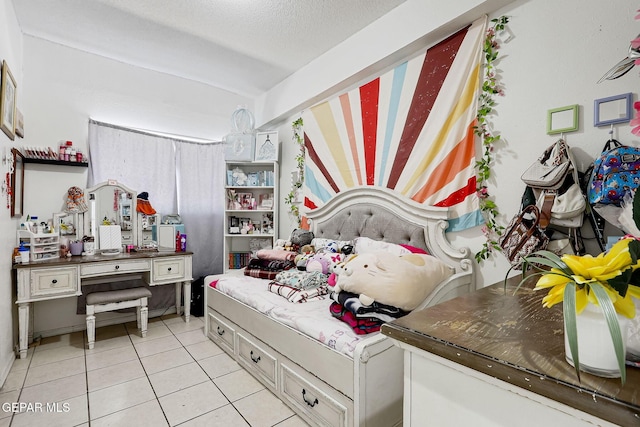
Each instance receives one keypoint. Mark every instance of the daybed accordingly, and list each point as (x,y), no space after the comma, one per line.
(332,378)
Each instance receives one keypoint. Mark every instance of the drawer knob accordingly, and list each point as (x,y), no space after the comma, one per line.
(117,267)
(169,269)
(308,402)
(220,331)
(54,281)
(255,359)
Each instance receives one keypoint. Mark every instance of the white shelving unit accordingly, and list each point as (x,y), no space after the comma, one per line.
(251,212)
(145,228)
(42,246)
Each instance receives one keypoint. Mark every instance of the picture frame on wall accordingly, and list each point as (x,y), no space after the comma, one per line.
(613,109)
(266,146)
(8,102)
(239,146)
(562,119)
(19,124)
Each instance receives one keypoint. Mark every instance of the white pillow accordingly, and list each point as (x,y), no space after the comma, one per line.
(365,245)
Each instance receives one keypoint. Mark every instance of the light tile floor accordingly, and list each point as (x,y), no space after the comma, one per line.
(174,376)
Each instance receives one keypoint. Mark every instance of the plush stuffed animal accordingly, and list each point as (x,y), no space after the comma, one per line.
(307,249)
(300,237)
(323,262)
(332,247)
(318,262)
(338,268)
(402,281)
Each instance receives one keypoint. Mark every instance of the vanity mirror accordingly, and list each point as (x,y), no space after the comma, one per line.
(112,217)
(17,183)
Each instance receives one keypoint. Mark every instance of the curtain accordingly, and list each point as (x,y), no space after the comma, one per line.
(138,160)
(200,176)
(181,176)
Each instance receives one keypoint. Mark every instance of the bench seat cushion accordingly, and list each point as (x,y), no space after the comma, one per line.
(107,297)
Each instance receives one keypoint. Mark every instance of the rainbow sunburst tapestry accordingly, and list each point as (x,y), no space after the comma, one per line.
(410,130)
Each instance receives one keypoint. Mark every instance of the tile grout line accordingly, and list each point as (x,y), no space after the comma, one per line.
(86,374)
(210,379)
(145,370)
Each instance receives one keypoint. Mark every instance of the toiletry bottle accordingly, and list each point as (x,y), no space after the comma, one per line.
(67,151)
(24,253)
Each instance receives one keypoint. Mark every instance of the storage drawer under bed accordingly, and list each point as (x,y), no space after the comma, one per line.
(258,359)
(221,332)
(307,396)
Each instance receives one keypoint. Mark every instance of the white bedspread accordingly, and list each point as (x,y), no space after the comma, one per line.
(311,318)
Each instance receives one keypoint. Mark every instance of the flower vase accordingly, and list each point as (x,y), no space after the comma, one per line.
(595,347)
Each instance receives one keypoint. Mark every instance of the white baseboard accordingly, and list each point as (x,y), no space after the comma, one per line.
(123,318)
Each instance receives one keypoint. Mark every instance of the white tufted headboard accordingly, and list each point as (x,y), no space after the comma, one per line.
(382,214)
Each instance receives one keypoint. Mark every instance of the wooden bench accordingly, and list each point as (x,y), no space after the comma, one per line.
(99,302)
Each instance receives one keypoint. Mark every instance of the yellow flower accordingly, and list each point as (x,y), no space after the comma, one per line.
(587,270)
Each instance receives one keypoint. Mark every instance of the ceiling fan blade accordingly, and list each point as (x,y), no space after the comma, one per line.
(619,70)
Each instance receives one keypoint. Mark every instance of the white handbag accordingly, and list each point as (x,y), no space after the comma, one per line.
(550,170)
(569,204)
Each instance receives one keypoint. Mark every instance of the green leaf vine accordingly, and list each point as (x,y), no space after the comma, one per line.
(490,88)
(290,199)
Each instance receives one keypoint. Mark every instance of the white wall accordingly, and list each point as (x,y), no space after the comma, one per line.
(10,51)
(558,53)
(65,87)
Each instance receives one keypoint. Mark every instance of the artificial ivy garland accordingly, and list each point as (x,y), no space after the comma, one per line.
(490,88)
(297,185)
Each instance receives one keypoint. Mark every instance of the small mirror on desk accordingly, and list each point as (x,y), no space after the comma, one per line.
(112,216)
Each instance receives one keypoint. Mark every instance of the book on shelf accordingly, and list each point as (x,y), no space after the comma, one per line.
(239,259)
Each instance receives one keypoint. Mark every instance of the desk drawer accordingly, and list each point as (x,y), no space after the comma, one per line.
(115,267)
(168,269)
(54,281)
(221,332)
(258,360)
(311,400)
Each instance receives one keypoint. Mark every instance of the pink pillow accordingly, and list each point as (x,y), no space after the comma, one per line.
(414,250)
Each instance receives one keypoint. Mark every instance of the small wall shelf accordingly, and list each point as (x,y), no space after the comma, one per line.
(56,162)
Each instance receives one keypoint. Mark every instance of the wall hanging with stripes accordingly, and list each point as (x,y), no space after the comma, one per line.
(410,130)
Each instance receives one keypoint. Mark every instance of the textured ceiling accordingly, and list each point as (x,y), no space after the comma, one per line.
(244,46)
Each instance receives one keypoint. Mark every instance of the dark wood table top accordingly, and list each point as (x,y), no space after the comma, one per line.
(74,260)
(515,339)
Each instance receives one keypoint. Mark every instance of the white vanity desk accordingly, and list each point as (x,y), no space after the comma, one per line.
(62,278)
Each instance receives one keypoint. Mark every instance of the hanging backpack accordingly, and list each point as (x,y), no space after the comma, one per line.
(614,173)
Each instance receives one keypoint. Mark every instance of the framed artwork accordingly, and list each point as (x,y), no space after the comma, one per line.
(8,102)
(238,146)
(19,124)
(246,200)
(613,109)
(266,146)
(563,119)
(17,184)
(265,201)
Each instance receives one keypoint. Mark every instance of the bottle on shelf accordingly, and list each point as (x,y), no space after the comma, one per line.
(67,151)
